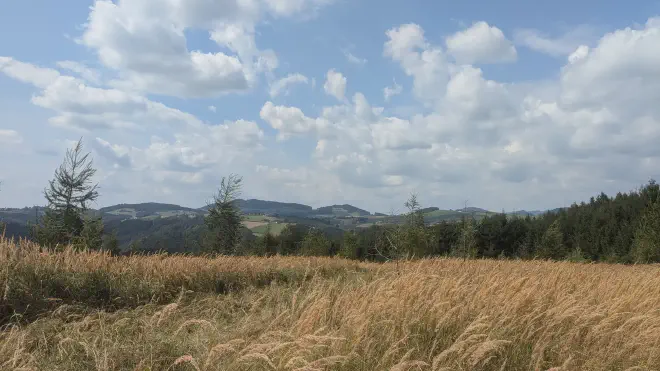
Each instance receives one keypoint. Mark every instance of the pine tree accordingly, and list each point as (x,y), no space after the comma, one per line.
(90,237)
(224,218)
(646,245)
(111,244)
(552,243)
(68,195)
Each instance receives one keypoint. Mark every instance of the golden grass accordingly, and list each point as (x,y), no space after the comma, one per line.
(34,281)
(439,314)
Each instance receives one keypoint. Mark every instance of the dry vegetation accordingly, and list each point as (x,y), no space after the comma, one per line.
(320,314)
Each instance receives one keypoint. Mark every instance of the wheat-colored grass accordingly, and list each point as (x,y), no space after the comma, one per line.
(439,314)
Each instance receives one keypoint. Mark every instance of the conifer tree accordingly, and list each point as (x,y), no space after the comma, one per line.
(68,195)
(646,245)
(111,244)
(224,218)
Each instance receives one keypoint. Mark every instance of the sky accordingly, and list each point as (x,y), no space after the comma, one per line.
(504,105)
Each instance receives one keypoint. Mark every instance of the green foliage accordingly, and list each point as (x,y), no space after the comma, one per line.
(576,256)
(111,244)
(552,243)
(224,218)
(646,245)
(91,235)
(269,242)
(315,243)
(68,195)
(467,243)
(350,247)
(135,247)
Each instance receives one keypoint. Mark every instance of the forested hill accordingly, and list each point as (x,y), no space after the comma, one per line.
(341,210)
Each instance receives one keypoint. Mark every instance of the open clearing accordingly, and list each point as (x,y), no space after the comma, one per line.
(252,224)
(275,229)
(89,311)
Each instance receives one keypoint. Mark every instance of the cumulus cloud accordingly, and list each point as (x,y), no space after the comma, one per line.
(390,91)
(484,134)
(117,154)
(84,107)
(512,144)
(282,85)
(28,73)
(82,70)
(557,46)
(419,59)
(335,84)
(289,120)
(145,43)
(481,43)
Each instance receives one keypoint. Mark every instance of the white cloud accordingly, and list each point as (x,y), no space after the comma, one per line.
(466,135)
(9,137)
(212,109)
(291,7)
(389,92)
(559,46)
(335,84)
(80,106)
(487,136)
(481,43)
(282,85)
(419,59)
(353,59)
(117,154)
(148,49)
(289,120)
(145,43)
(83,71)
(580,53)
(28,73)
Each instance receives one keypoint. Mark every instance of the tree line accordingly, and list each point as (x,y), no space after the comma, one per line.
(620,229)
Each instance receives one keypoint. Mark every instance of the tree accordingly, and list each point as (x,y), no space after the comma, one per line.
(111,244)
(350,247)
(90,237)
(224,218)
(315,243)
(415,216)
(552,243)
(467,243)
(68,195)
(135,247)
(646,245)
(269,242)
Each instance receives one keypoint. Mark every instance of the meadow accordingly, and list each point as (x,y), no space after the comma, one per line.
(70,310)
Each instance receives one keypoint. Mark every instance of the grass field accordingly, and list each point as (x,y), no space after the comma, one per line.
(89,311)
(257,218)
(275,228)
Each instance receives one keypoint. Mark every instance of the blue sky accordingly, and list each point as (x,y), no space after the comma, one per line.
(511,104)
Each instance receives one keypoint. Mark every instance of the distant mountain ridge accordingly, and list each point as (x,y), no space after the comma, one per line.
(145,207)
(341,210)
(251,206)
(153,221)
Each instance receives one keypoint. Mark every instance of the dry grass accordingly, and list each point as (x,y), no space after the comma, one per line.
(35,281)
(439,314)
